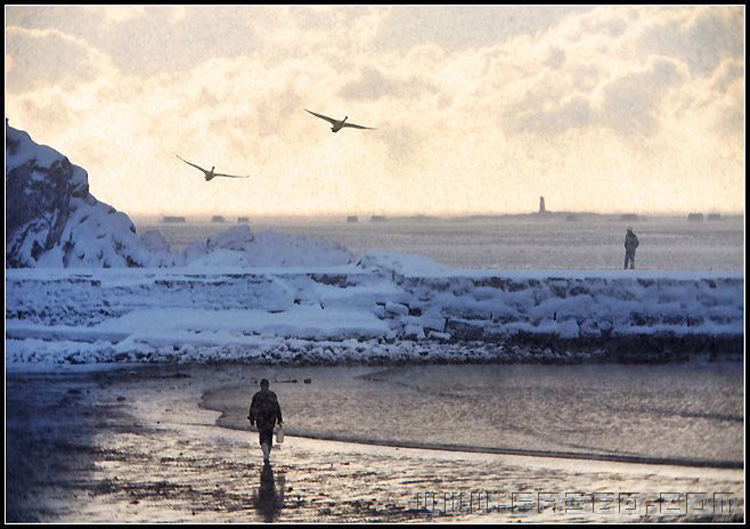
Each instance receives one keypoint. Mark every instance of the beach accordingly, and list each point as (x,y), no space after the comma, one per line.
(137,444)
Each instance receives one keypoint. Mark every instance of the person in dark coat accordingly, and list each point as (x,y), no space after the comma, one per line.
(631,243)
(264,413)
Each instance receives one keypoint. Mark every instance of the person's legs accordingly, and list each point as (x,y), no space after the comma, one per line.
(266,442)
(629,258)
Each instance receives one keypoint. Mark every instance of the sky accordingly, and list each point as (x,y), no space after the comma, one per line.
(477,109)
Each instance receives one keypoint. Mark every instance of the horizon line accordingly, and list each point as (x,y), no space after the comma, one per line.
(209,214)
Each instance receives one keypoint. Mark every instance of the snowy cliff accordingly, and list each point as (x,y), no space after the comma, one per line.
(53,220)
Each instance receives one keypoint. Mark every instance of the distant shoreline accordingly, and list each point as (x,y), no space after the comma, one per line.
(365,218)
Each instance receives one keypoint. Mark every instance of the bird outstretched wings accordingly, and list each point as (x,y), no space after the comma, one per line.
(206,172)
(321,116)
(189,163)
(337,123)
(356,126)
(231,175)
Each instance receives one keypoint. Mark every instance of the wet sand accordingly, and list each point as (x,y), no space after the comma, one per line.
(134,445)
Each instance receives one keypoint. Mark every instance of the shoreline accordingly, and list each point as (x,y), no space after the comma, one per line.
(134,445)
(30,354)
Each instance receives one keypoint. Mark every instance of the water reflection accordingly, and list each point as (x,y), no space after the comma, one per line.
(270,497)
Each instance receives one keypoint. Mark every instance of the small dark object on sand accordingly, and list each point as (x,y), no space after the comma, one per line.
(308,381)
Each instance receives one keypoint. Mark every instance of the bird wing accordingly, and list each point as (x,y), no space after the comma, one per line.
(196,166)
(231,175)
(321,116)
(353,125)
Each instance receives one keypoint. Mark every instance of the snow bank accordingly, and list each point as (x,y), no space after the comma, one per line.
(387,308)
(403,264)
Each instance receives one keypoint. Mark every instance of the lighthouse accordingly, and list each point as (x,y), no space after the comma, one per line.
(541,206)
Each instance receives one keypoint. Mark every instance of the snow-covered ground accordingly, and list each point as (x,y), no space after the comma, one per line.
(386,307)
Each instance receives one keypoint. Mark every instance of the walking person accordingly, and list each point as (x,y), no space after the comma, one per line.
(631,243)
(264,413)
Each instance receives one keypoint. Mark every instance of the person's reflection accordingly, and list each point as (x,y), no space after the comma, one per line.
(268,503)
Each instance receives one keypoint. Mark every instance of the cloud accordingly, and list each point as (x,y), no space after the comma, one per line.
(728,73)
(404,148)
(462,27)
(627,104)
(701,37)
(573,114)
(476,108)
(724,101)
(373,84)
(49,57)
(148,40)
(556,58)
(118,14)
(631,102)
(616,74)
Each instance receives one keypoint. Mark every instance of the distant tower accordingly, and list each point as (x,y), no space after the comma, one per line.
(541,205)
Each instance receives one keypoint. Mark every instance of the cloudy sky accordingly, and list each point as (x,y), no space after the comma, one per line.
(478,109)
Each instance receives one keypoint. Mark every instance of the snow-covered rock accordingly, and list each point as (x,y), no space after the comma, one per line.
(396,308)
(52,220)
(399,264)
(155,242)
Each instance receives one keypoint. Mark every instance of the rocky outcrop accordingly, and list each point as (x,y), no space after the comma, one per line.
(52,220)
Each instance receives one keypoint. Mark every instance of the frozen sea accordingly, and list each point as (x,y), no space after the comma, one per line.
(512,242)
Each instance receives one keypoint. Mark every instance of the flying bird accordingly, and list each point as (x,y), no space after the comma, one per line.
(210,174)
(338,124)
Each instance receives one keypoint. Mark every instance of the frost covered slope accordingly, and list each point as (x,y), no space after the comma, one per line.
(388,307)
(53,221)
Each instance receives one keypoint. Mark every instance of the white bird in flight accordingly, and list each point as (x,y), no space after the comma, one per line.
(338,124)
(210,174)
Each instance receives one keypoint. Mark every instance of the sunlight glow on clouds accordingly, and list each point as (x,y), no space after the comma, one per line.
(477,109)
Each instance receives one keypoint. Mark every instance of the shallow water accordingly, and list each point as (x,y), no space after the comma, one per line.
(689,414)
(666,243)
(132,445)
